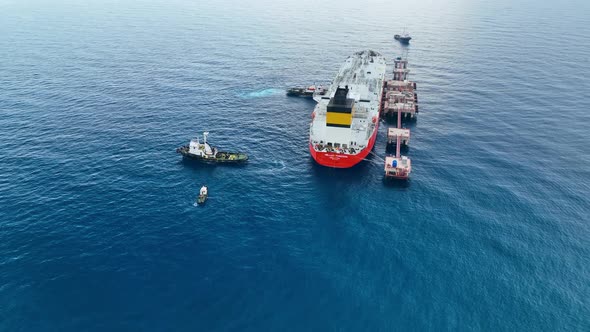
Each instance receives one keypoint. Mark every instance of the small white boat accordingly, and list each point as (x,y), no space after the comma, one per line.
(203,194)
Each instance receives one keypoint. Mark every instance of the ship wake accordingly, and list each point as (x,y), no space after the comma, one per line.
(261,93)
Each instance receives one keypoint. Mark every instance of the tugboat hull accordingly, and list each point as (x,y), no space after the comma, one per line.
(402,39)
(306,92)
(202,199)
(220,157)
(299,93)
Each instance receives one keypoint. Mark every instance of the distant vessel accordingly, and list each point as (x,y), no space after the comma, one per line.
(306,92)
(207,153)
(345,120)
(404,38)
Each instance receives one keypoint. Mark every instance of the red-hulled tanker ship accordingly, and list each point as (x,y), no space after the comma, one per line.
(345,120)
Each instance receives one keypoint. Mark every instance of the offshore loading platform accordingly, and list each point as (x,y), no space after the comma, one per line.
(400,100)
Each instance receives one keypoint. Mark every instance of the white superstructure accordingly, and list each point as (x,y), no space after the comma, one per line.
(199,149)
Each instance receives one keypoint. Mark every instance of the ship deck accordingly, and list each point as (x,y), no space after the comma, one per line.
(363,73)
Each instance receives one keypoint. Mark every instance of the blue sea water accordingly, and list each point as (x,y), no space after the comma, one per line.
(98,231)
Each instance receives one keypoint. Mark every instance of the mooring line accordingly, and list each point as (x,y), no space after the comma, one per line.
(378,156)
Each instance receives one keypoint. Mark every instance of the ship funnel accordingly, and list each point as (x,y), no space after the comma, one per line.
(340,95)
(339,109)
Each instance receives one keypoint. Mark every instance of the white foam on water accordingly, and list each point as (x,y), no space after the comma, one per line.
(262,93)
(275,166)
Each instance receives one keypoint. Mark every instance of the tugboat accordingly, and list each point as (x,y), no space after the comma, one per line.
(206,153)
(404,39)
(306,92)
(203,194)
